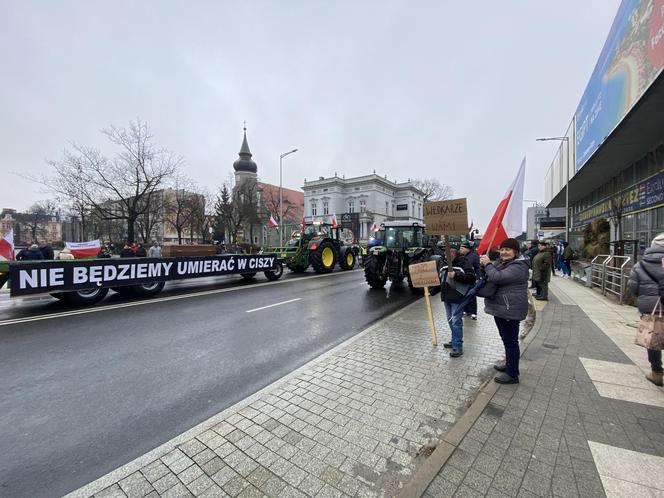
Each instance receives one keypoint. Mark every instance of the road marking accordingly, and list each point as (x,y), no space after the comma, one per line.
(38,318)
(273,305)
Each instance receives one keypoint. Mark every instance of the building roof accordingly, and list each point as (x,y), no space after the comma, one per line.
(245,163)
(292,198)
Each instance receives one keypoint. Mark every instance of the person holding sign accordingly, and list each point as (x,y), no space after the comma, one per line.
(508,305)
(455,283)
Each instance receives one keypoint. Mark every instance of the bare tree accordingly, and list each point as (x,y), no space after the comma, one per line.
(270,197)
(37,218)
(433,189)
(237,207)
(119,188)
(152,216)
(184,206)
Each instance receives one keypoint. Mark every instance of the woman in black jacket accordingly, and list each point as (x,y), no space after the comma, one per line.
(509,304)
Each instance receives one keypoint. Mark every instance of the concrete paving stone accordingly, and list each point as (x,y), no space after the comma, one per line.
(113,491)
(204,456)
(225,449)
(235,485)
(259,475)
(336,458)
(486,465)
(263,437)
(200,484)
(166,482)
(536,483)
(440,487)
(273,486)
(213,466)
(155,471)
(255,450)
(275,443)
(478,481)
(267,458)
(172,456)
(214,491)
(280,466)
(294,476)
(328,491)
(507,482)
(234,436)
(467,492)
(245,442)
(192,447)
(190,473)
(471,445)
(223,475)
(215,442)
(452,474)
(177,491)
(316,467)
(135,485)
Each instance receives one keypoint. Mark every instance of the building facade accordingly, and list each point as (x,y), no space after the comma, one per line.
(360,202)
(540,222)
(38,228)
(609,166)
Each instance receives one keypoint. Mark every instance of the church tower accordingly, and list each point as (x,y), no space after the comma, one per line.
(245,168)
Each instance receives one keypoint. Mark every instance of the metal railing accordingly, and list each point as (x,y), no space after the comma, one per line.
(608,274)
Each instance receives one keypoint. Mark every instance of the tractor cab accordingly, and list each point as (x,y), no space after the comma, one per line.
(400,235)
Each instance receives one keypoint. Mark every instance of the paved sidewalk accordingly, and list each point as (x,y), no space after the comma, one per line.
(583,422)
(356,422)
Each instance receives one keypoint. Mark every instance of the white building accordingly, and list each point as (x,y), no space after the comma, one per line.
(362,201)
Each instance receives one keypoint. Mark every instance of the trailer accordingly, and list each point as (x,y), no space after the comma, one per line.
(87,281)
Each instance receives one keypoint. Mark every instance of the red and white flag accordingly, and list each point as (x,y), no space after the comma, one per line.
(7,245)
(334,221)
(88,249)
(507,221)
(374,228)
(272,222)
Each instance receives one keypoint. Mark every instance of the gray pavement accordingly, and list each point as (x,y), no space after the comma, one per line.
(583,422)
(357,421)
(85,391)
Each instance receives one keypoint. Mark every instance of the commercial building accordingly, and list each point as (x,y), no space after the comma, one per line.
(362,201)
(611,159)
(545,223)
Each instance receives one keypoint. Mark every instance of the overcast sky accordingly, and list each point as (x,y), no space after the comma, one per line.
(438,88)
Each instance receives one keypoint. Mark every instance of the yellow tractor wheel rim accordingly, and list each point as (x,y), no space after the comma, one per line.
(328,257)
(349,258)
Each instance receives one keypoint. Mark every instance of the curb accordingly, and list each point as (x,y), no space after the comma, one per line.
(430,468)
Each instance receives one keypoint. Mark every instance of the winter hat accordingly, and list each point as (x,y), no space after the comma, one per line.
(511,244)
(658,242)
(467,245)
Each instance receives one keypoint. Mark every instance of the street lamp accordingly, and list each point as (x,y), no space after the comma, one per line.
(281,202)
(564,140)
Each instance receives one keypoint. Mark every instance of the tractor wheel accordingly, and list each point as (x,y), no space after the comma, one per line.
(85,296)
(324,258)
(373,272)
(347,262)
(248,276)
(147,290)
(275,274)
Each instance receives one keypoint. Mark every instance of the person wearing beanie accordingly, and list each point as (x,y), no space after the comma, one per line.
(508,305)
(646,281)
(542,271)
(471,256)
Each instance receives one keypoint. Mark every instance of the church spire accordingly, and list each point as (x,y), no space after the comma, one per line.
(245,163)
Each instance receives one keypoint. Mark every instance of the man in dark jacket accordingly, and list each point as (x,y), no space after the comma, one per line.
(542,272)
(47,251)
(646,281)
(530,254)
(471,256)
(32,253)
(455,283)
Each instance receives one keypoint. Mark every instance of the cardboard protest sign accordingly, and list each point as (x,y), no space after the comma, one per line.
(424,274)
(446,217)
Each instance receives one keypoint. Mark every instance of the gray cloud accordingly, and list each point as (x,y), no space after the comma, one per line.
(455,90)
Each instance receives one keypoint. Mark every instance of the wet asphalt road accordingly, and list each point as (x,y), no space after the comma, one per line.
(84,394)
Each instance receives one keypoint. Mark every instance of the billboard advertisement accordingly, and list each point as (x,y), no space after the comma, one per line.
(632,57)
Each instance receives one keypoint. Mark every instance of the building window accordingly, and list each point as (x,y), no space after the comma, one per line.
(419,210)
(326,207)
(387,207)
(351,206)
(314,211)
(325,190)
(363,206)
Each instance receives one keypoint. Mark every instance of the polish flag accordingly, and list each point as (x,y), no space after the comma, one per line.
(507,221)
(7,245)
(272,223)
(374,228)
(334,221)
(88,249)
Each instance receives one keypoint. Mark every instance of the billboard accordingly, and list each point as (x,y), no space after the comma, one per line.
(632,57)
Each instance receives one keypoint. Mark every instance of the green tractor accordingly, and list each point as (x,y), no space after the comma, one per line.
(320,246)
(403,243)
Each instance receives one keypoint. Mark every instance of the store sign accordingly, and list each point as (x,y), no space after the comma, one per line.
(42,277)
(402,207)
(552,223)
(632,58)
(648,194)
